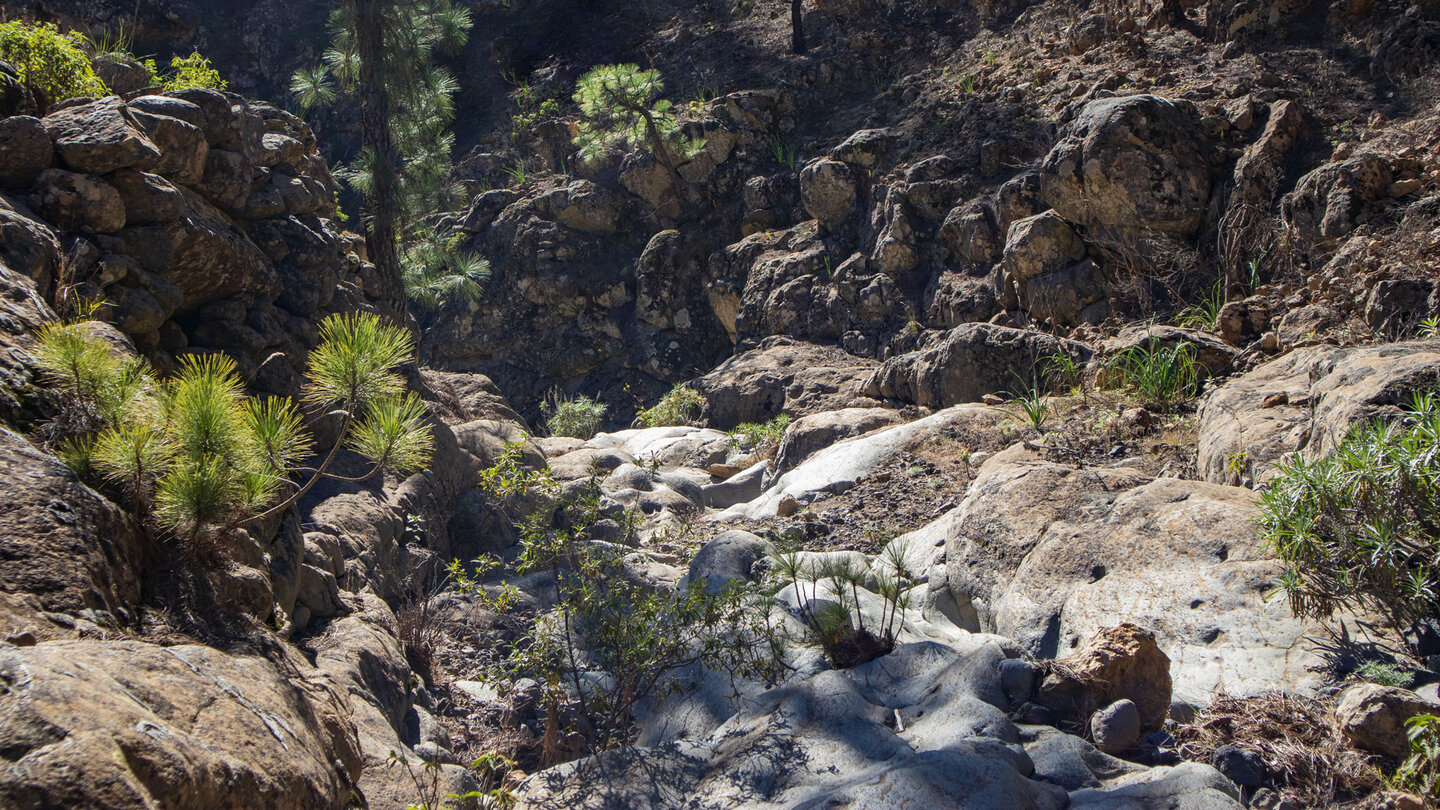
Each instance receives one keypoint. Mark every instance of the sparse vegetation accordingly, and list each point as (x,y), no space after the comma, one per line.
(578,416)
(1385,673)
(193,71)
(827,596)
(1421,771)
(682,406)
(1357,529)
(53,65)
(620,105)
(1160,377)
(761,438)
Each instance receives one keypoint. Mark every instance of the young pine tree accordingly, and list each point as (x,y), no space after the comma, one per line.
(620,106)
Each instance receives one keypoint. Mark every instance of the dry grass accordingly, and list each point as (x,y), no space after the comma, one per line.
(1307,759)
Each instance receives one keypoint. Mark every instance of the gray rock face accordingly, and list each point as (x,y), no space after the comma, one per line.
(78,201)
(1131,164)
(1049,554)
(965,364)
(811,434)
(1305,402)
(730,557)
(920,727)
(25,151)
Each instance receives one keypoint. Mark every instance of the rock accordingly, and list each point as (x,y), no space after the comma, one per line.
(1241,322)
(1045,274)
(965,364)
(1116,728)
(1244,768)
(1189,785)
(742,487)
(1394,306)
(1050,555)
(202,253)
(1131,164)
(1327,390)
(1039,245)
(864,148)
(22,311)
(1073,763)
(1372,717)
(584,206)
(125,724)
(827,191)
(1119,663)
(121,74)
(99,137)
(62,546)
(787,506)
(781,376)
(27,246)
(78,201)
(970,233)
(1017,678)
(1331,201)
(25,151)
(815,432)
(485,207)
(182,145)
(852,459)
(730,557)
(149,199)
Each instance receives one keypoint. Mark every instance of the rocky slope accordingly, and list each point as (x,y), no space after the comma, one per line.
(980,187)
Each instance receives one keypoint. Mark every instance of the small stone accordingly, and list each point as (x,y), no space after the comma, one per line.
(1017,678)
(1181,712)
(21,639)
(788,507)
(1244,768)
(1035,715)
(992,400)
(1116,728)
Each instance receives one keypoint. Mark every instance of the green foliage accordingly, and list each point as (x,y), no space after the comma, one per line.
(784,154)
(53,65)
(830,607)
(609,624)
(197,451)
(193,71)
(682,406)
(437,270)
(578,416)
(489,771)
(620,106)
(1205,313)
(1358,529)
(1429,328)
(1385,673)
(421,91)
(1160,377)
(1034,404)
(1421,772)
(761,437)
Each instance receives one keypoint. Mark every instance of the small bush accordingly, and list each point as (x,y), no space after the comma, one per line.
(682,406)
(1421,772)
(762,438)
(1161,377)
(1385,674)
(1357,529)
(53,65)
(579,416)
(191,71)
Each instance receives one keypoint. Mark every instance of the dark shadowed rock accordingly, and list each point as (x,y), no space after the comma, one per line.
(99,137)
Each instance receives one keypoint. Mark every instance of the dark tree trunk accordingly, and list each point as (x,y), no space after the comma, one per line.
(797,27)
(375,134)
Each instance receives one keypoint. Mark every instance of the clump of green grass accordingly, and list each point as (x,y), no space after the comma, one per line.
(1160,377)
(762,438)
(1385,673)
(682,406)
(579,417)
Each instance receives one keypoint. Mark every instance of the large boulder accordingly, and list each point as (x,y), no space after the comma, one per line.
(1131,164)
(99,137)
(1046,272)
(781,376)
(1049,554)
(22,311)
(827,191)
(810,434)
(1372,717)
(1306,402)
(80,202)
(731,557)
(131,726)
(62,545)
(966,363)
(25,151)
(1121,664)
(1331,201)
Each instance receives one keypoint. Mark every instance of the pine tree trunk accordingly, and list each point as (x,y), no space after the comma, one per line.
(797,27)
(375,134)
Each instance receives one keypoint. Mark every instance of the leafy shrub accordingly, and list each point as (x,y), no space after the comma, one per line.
(434,270)
(682,406)
(53,65)
(193,71)
(1357,529)
(1421,772)
(1161,377)
(195,451)
(762,438)
(579,416)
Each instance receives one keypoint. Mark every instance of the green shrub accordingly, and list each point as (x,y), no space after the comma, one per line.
(191,71)
(1421,772)
(761,437)
(195,451)
(1358,529)
(579,416)
(1160,377)
(682,406)
(53,65)
(1385,673)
